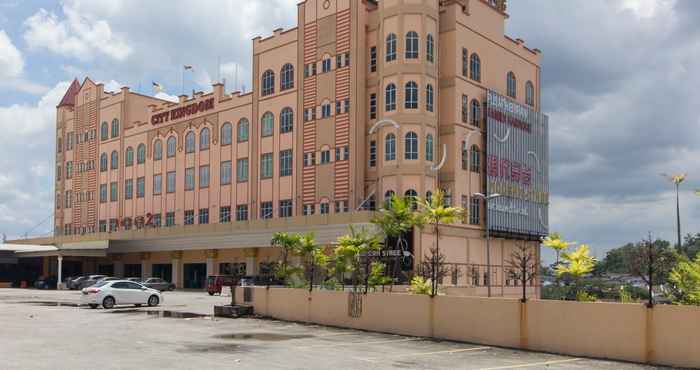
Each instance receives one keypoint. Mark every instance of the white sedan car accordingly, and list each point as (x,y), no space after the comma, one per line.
(119,292)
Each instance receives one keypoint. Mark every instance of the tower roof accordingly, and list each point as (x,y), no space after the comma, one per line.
(69,97)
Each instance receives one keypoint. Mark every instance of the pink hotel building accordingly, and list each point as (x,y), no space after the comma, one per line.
(361,100)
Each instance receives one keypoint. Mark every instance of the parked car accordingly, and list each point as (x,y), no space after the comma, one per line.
(74,283)
(158,284)
(108,278)
(215,283)
(90,280)
(134,279)
(119,292)
(46,283)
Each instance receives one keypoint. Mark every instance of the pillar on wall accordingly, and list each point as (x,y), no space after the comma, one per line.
(176,256)
(212,255)
(145,265)
(251,266)
(59,273)
(118,265)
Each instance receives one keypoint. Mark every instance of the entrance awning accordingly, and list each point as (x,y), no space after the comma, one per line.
(83,249)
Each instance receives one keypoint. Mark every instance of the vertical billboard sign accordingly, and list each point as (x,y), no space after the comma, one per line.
(517,167)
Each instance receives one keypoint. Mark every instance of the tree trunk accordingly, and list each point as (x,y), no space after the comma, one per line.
(436,256)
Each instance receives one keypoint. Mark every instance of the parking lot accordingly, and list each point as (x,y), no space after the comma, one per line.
(48,330)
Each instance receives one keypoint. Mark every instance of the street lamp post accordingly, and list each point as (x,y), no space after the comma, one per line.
(486,199)
(677,180)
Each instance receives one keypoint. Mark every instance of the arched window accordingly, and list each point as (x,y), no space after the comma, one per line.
(429,148)
(242,131)
(267,124)
(387,198)
(268,82)
(189,142)
(204,139)
(511,87)
(287,77)
(390,98)
(286,120)
(157,150)
(411,95)
(412,196)
(475,67)
(430,48)
(115,128)
(429,98)
(103,162)
(115,160)
(476,112)
(429,196)
(172,146)
(391,47)
(129,157)
(390,147)
(529,94)
(476,159)
(141,154)
(412,45)
(104,131)
(411,146)
(226,133)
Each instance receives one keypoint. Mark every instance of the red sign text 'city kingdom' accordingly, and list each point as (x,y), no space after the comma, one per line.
(182,112)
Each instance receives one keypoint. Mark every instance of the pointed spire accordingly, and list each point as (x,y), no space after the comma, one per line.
(69,97)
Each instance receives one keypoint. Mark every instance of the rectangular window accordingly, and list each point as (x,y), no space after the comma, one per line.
(69,170)
(465,109)
(465,63)
(346,105)
(309,159)
(203,177)
(474,205)
(170,182)
(242,170)
(128,189)
(309,209)
(286,163)
(69,198)
(325,110)
(140,187)
(325,156)
(266,210)
(189,178)
(103,193)
(204,216)
(338,61)
(324,208)
(225,215)
(373,106)
(341,206)
(156,220)
(170,219)
(242,213)
(113,192)
(225,172)
(157,184)
(338,107)
(326,65)
(113,224)
(373,59)
(372,153)
(346,152)
(266,165)
(189,217)
(59,170)
(337,154)
(286,208)
(103,226)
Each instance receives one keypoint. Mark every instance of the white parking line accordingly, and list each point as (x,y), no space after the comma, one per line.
(545,363)
(418,354)
(357,343)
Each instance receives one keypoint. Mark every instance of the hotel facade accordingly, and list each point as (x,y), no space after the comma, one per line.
(362,100)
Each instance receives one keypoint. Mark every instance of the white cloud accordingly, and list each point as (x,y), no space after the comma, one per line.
(77,35)
(166,96)
(112,86)
(30,119)
(11,61)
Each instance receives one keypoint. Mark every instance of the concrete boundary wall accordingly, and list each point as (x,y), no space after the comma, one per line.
(664,335)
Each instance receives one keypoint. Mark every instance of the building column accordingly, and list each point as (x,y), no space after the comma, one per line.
(212,255)
(145,265)
(251,266)
(175,279)
(59,283)
(118,265)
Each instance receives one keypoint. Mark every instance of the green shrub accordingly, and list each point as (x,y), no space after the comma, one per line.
(583,296)
(419,285)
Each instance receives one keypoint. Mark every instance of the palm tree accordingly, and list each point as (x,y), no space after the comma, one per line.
(556,242)
(352,248)
(434,211)
(310,250)
(290,243)
(577,264)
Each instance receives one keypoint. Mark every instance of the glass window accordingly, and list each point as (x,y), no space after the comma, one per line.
(266,165)
(390,98)
(203,176)
(476,112)
(157,184)
(474,211)
(103,194)
(412,196)
(511,88)
(430,48)
(429,98)
(286,120)
(115,160)
(157,150)
(203,216)
(391,47)
(373,59)
(475,67)
(390,147)
(170,182)
(286,162)
(115,128)
(141,154)
(128,189)
(226,133)
(267,124)
(156,220)
(189,217)
(172,146)
(225,172)
(140,187)
(69,166)
(465,109)
(411,142)
(225,214)
(266,210)
(476,159)
(411,95)
(529,94)
(242,170)
(268,83)
(287,77)
(129,157)
(104,131)
(204,139)
(308,209)
(170,219)
(189,142)
(113,192)
(286,208)
(242,212)
(372,153)
(324,208)
(412,45)
(373,106)
(326,65)
(429,148)
(387,198)
(242,130)
(465,156)
(325,156)
(465,62)
(189,178)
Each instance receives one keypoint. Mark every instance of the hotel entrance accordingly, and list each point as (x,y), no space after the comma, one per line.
(195,275)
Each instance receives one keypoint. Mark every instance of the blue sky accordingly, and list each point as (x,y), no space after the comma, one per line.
(618,84)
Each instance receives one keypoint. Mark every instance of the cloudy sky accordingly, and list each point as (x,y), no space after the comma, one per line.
(617,82)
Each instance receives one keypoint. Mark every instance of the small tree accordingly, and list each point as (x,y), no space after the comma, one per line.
(684,282)
(290,244)
(575,265)
(558,244)
(652,261)
(523,267)
(312,253)
(434,268)
(434,211)
(352,250)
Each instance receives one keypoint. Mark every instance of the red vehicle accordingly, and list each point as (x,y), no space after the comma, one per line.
(216,282)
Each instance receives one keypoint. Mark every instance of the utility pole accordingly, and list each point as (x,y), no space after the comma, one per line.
(486,199)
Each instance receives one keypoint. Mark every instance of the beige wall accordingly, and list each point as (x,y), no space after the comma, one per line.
(664,335)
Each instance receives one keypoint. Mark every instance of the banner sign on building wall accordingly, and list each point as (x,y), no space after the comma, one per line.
(517,167)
